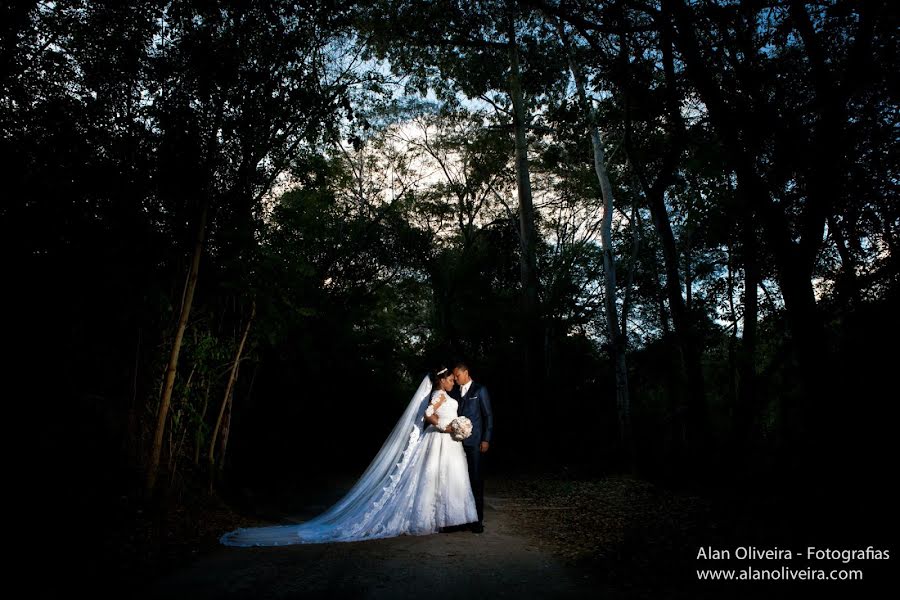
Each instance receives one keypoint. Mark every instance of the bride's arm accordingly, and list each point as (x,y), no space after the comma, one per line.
(431,415)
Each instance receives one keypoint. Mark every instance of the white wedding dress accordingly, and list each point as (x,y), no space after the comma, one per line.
(418,483)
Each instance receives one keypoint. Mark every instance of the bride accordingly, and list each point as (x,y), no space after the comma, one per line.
(417,483)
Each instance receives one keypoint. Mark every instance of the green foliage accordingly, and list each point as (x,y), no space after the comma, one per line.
(369,208)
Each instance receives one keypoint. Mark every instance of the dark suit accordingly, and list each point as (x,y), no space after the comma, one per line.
(476,405)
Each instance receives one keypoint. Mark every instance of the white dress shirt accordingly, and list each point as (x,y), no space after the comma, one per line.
(465,388)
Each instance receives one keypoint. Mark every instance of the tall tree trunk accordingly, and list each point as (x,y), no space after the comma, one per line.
(688,262)
(533,335)
(177,422)
(198,435)
(226,428)
(794,260)
(848,290)
(659,296)
(229,388)
(802,424)
(617,340)
(747,404)
(696,395)
(188,299)
(632,264)
(733,338)
(695,412)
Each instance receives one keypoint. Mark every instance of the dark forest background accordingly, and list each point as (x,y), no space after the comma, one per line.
(237,234)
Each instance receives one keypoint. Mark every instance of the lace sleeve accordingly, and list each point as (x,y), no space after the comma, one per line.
(437,398)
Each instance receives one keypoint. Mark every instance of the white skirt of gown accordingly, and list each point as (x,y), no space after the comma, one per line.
(431,490)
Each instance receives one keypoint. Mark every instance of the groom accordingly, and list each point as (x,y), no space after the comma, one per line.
(474,403)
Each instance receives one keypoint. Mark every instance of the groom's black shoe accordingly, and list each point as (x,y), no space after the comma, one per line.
(476,527)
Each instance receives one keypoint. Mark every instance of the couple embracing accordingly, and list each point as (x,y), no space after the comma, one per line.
(426,478)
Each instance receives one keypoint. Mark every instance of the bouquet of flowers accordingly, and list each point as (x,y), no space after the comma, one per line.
(460,428)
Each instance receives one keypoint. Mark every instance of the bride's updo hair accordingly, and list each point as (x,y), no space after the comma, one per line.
(437,375)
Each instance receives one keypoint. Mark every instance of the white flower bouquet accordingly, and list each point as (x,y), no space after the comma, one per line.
(460,428)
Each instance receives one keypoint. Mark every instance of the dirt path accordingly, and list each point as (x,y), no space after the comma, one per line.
(502,562)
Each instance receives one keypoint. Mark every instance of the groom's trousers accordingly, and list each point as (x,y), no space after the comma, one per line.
(474,457)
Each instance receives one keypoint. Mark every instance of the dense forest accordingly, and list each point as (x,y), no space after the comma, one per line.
(664,233)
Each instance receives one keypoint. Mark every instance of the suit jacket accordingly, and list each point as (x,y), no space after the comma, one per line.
(476,405)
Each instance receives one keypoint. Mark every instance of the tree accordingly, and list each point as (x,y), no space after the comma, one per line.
(616,335)
(762,122)
(256,84)
(476,51)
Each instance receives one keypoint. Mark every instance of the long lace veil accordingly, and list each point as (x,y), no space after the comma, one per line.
(376,481)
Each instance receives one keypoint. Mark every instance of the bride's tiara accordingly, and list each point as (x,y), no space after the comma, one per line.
(442,371)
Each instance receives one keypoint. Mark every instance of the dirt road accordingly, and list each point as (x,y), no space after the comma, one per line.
(502,562)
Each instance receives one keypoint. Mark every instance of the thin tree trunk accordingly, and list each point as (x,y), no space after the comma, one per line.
(617,341)
(849,288)
(747,399)
(696,409)
(733,338)
(175,451)
(688,263)
(226,425)
(173,456)
(635,248)
(230,387)
(198,434)
(166,399)
(534,339)
(660,300)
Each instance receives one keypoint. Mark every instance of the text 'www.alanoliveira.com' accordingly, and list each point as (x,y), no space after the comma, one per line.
(810,571)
